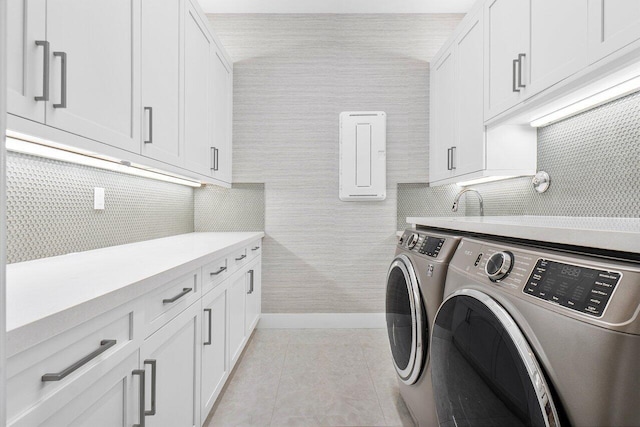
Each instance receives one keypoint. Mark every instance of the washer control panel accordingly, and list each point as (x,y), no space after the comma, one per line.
(583,289)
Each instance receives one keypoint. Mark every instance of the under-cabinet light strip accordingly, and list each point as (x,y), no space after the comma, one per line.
(40,150)
(618,91)
(482,180)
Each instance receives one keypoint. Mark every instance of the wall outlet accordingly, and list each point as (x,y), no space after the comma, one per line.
(98,198)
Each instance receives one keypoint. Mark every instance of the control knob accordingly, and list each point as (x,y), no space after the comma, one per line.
(412,241)
(499,265)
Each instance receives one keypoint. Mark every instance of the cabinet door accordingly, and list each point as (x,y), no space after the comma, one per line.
(237,290)
(507,39)
(113,400)
(95,70)
(222,87)
(214,346)
(175,348)
(254,297)
(613,24)
(558,42)
(442,120)
(199,151)
(161,48)
(25,59)
(469,155)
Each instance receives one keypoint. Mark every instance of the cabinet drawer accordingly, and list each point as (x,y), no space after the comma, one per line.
(70,361)
(254,249)
(169,300)
(214,273)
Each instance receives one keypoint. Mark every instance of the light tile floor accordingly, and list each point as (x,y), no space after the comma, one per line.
(313,377)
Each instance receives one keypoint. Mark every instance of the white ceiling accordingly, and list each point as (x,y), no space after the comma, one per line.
(336,6)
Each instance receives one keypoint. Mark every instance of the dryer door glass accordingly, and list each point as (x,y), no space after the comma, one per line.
(405,320)
(483,370)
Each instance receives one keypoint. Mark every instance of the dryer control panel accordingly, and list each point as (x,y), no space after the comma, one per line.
(583,289)
(421,243)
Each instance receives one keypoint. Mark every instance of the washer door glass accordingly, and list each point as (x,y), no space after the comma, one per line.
(483,370)
(405,320)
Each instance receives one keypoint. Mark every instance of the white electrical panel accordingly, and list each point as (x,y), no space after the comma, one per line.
(363,155)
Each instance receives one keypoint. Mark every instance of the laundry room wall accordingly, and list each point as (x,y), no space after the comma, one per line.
(293,75)
(50,208)
(592,158)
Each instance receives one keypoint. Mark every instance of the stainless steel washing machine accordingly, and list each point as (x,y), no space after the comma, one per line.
(415,286)
(529,336)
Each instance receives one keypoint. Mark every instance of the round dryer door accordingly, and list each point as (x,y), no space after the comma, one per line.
(483,370)
(406,320)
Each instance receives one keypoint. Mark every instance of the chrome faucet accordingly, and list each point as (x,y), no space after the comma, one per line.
(454,208)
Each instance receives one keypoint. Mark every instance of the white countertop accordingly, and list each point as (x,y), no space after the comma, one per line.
(619,234)
(48,295)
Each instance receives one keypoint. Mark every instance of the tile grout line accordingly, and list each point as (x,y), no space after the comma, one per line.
(286,352)
(375,389)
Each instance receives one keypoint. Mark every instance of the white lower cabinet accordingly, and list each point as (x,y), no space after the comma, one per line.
(113,400)
(171,360)
(237,291)
(214,347)
(253,296)
(104,372)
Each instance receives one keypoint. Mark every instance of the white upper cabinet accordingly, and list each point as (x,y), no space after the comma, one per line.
(222,104)
(558,42)
(143,81)
(532,45)
(507,39)
(613,24)
(199,150)
(443,124)
(469,155)
(27,55)
(161,49)
(95,70)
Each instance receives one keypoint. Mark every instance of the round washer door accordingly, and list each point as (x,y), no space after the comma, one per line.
(483,370)
(406,320)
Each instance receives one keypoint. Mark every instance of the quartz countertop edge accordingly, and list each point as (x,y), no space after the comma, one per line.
(616,234)
(50,295)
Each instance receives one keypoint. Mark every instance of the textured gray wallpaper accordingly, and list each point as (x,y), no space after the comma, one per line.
(50,208)
(593,160)
(240,208)
(293,75)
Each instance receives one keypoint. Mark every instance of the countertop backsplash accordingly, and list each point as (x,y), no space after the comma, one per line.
(593,160)
(50,208)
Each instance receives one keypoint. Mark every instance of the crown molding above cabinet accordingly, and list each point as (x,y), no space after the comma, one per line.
(153,88)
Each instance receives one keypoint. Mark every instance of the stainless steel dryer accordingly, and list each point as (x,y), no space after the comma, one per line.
(415,286)
(537,337)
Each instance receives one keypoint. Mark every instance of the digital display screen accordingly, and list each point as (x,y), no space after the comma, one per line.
(580,288)
(432,246)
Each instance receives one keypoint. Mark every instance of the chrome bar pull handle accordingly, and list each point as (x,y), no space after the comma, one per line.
(45,71)
(217,159)
(256,248)
(63,80)
(220,270)
(453,158)
(177,297)
(208,341)
(241,257)
(150,128)
(514,71)
(521,56)
(251,274)
(141,396)
(213,158)
(448,159)
(104,346)
(152,363)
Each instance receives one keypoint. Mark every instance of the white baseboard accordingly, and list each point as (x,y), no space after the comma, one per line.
(322,321)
